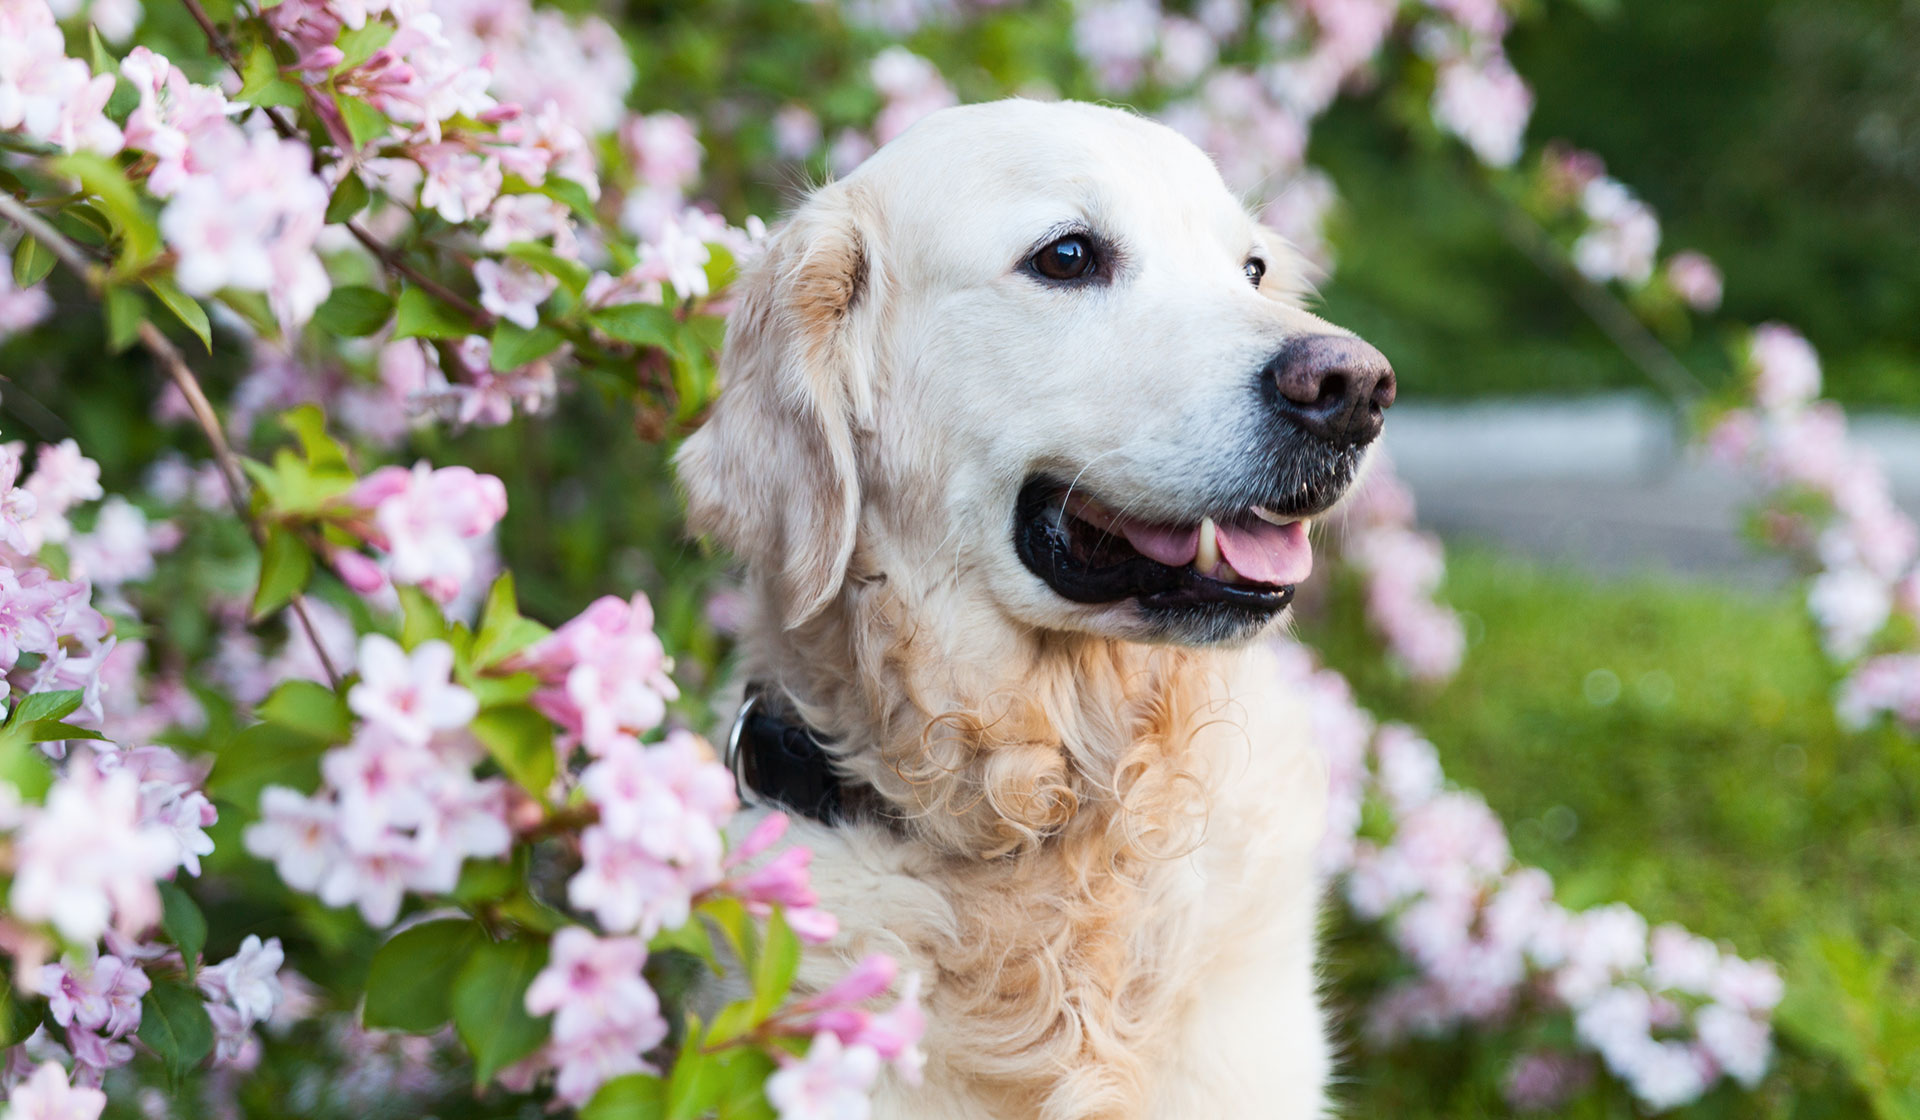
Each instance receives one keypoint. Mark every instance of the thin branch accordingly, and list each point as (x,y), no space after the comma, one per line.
(50,239)
(169,358)
(393,261)
(237,490)
(1614,318)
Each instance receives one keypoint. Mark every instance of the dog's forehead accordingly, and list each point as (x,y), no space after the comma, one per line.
(994,176)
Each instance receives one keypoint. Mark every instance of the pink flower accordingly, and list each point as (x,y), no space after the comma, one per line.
(459,184)
(120,547)
(426,520)
(605,673)
(1696,280)
(513,291)
(1785,368)
(410,695)
(1486,104)
(84,860)
(605,1017)
(663,148)
(1740,1043)
(1624,236)
(296,832)
(103,998)
(47,1096)
(1545,1080)
(831,1083)
(796,132)
(249,981)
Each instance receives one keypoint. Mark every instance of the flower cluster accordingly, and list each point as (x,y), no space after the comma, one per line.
(430,524)
(86,854)
(1668,1012)
(401,809)
(605,1017)
(1401,568)
(603,675)
(1830,503)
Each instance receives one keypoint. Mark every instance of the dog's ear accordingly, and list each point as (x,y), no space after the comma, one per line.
(772,474)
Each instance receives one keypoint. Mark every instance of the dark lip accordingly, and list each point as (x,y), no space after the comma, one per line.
(1047,551)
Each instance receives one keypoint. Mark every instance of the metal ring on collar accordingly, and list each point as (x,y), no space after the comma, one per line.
(732,757)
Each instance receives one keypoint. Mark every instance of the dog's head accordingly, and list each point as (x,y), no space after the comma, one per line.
(1036,355)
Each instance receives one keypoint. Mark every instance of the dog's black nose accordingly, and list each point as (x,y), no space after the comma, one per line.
(1333,386)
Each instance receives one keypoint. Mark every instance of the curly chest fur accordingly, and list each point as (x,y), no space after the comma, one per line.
(1122,967)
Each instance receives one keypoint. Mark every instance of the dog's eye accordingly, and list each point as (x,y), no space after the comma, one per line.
(1069,258)
(1255,268)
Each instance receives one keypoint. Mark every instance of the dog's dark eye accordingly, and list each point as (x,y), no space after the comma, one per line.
(1255,268)
(1069,258)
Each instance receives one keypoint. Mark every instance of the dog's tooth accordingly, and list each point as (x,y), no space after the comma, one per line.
(1270,517)
(1225,573)
(1209,556)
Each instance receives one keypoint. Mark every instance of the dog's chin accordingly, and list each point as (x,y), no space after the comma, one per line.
(1171,582)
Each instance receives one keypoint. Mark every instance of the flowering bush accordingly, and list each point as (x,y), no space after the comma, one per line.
(280,700)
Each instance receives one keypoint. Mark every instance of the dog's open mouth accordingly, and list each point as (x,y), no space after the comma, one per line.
(1248,559)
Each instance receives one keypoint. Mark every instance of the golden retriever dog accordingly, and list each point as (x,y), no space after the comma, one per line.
(1021,428)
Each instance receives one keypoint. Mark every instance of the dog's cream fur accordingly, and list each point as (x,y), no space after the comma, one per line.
(1102,858)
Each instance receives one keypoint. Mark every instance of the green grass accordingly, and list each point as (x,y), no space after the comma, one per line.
(1671,746)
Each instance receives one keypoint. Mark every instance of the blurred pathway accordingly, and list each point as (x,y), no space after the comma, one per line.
(1603,483)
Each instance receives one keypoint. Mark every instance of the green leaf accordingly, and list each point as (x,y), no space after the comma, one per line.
(265,755)
(730,915)
(642,324)
(101,177)
(485,880)
(126,310)
(261,83)
(490,1004)
(324,454)
(185,308)
(349,198)
(365,124)
(637,1096)
(691,937)
(53,731)
(521,741)
(309,708)
(103,61)
(46,705)
(420,618)
(354,311)
(571,193)
(363,43)
(419,315)
(515,346)
(571,274)
(410,983)
(779,962)
(503,632)
(25,769)
(18,1017)
(695,1084)
(31,263)
(285,568)
(743,1097)
(175,1026)
(184,924)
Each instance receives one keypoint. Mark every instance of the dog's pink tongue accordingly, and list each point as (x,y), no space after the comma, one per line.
(1263,553)
(1173,547)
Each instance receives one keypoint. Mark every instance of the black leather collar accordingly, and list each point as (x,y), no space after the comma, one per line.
(775,758)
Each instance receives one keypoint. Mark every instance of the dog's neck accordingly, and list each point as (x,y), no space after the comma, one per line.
(989,738)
